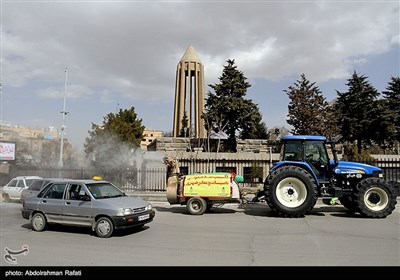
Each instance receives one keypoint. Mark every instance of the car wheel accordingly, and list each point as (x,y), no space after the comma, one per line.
(6,197)
(104,227)
(38,222)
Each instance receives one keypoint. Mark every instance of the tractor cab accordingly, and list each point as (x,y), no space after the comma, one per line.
(310,152)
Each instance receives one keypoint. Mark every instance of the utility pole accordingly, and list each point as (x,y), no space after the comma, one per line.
(64,113)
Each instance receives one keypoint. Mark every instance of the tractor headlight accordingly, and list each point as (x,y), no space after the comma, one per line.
(378,174)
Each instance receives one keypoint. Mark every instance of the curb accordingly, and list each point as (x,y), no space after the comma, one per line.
(149,196)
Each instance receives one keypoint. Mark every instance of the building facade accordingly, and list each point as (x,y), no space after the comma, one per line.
(148,136)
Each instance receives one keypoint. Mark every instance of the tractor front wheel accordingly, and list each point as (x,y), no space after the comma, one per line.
(375,198)
(396,187)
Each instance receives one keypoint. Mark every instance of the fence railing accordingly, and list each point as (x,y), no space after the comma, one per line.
(391,168)
(149,179)
(154,178)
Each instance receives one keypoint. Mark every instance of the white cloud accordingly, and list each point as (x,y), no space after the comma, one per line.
(72,91)
(129,50)
(124,46)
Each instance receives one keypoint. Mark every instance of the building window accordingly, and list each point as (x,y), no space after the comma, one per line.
(184,170)
(253,174)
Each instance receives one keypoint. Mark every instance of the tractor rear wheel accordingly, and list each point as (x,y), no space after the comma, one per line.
(375,198)
(291,191)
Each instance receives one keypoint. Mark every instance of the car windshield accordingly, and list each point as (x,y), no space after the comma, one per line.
(104,190)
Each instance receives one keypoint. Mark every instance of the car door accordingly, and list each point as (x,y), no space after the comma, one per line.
(77,209)
(15,193)
(11,188)
(51,203)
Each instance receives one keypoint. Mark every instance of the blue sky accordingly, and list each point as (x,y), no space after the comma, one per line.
(124,53)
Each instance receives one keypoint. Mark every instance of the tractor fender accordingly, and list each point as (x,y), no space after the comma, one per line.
(301,164)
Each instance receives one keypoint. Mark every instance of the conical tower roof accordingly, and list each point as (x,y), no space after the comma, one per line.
(190,55)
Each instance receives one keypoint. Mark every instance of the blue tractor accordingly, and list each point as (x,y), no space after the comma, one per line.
(306,172)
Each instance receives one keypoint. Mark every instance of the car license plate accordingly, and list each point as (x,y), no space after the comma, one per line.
(144,217)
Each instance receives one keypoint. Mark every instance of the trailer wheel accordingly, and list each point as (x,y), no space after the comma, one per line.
(291,191)
(196,206)
(375,198)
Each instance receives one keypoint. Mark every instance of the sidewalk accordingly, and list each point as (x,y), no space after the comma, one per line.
(149,196)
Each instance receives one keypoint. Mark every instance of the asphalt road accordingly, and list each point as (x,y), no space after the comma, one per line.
(228,236)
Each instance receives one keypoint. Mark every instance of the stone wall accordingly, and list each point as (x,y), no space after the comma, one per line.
(166,144)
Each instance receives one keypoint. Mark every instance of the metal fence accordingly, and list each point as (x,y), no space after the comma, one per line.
(149,179)
(153,179)
(391,168)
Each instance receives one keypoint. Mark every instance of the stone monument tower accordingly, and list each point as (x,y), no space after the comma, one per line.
(189,94)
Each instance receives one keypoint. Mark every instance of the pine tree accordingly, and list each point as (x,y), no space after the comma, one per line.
(185,131)
(260,132)
(383,124)
(307,108)
(229,111)
(392,98)
(358,109)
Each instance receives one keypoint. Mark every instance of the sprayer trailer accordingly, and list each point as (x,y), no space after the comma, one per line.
(307,171)
(200,191)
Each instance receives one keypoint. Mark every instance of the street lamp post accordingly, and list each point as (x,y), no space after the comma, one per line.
(64,113)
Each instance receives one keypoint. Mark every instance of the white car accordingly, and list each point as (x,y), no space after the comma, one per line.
(14,188)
